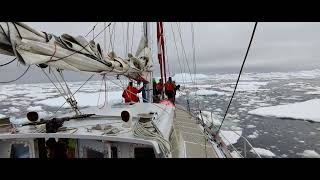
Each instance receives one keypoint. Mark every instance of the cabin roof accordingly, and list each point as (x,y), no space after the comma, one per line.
(108,116)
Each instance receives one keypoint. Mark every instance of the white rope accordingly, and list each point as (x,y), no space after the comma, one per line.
(150,131)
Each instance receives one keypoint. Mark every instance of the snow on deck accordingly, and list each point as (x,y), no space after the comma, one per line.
(308,110)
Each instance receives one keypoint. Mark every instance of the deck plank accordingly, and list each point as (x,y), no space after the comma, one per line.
(191,135)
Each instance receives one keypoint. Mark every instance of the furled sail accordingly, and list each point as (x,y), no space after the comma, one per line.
(70,53)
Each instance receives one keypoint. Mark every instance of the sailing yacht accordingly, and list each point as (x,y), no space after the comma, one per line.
(127,130)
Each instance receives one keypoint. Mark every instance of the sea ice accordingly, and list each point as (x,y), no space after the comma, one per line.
(263,152)
(13,110)
(309,154)
(85,99)
(254,135)
(186,77)
(34,108)
(230,137)
(251,126)
(308,110)
(204,92)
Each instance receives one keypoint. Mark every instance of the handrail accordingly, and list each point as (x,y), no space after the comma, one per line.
(246,141)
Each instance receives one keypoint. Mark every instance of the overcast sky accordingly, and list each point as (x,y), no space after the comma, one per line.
(220,47)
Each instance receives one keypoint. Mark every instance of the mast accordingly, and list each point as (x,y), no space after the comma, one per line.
(161,52)
(149,86)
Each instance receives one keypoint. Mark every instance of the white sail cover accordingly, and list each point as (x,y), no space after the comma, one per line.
(70,53)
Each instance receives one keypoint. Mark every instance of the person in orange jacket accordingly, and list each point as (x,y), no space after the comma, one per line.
(130,93)
(159,87)
(169,89)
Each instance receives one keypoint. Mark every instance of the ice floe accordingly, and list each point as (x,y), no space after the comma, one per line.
(13,110)
(263,152)
(251,126)
(230,137)
(186,77)
(307,110)
(204,92)
(309,154)
(34,108)
(85,99)
(254,135)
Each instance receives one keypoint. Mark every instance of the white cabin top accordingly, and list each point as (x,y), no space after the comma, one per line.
(110,116)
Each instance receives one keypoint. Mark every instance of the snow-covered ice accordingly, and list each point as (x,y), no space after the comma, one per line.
(253,135)
(34,108)
(186,77)
(308,110)
(263,152)
(13,110)
(284,155)
(313,92)
(85,99)
(251,126)
(234,154)
(209,118)
(230,137)
(249,86)
(204,92)
(309,154)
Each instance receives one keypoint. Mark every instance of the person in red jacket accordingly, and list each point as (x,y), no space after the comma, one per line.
(159,87)
(169,90)
(130,94)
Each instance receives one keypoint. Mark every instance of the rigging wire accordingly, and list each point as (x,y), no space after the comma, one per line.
(235,88)
(92,29)
(74,92)
(3,82)
(8,62)
(177,52)
(127,43)
(166,54)
(194,66)
(132,36)
(183,50)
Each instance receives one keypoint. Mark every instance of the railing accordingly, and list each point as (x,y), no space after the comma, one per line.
(245,143)
(209,131)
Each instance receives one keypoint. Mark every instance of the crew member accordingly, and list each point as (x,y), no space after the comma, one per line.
(159,87)
(130,94)
(169,90)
